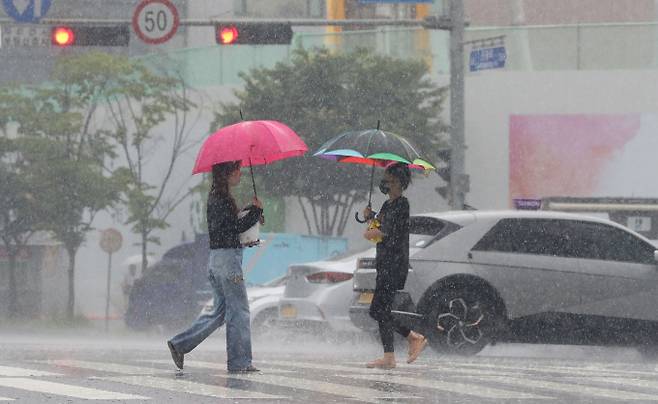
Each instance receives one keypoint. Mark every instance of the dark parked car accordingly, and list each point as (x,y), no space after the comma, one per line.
(173,290)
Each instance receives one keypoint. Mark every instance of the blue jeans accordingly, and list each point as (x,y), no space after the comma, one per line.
(230,306)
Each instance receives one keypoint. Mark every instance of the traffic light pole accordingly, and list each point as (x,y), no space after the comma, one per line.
(458,179)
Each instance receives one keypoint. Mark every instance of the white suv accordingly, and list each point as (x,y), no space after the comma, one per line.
(525,276)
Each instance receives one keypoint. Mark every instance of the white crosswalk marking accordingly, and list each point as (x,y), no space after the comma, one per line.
(185,386)
(400,370)
(106,367)
(564,370)
(360,393)
(470,389)
(336,368)
(590,370)
(68,390)
(570,388)
(647,384)
(467,379)
(7,371)
(214,365)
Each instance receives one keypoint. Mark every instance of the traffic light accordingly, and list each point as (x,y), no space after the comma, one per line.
(90,35)
(62,36)
(445,173)
(251,33)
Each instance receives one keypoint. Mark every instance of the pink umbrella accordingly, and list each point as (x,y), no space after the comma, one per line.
(252,142)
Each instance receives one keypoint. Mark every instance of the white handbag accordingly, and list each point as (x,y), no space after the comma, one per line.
(250,237)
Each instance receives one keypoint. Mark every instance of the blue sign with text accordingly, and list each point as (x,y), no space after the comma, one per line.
(487,58)
(29,11)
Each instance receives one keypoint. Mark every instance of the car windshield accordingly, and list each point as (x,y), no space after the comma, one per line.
(423,230)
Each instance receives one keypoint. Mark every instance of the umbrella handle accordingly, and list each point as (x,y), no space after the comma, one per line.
(365,218)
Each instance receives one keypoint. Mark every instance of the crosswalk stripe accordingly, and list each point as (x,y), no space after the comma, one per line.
(68,390)
(336,368)
(460,388)
(400,370)
(605,372)
(578,389)
(7,371)
(6,399)
(546,369)
(186,386)
(647,384)
(213,365)
(105,367)
(360,393)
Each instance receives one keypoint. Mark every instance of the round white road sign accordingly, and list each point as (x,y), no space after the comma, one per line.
(155,21)
(111,240)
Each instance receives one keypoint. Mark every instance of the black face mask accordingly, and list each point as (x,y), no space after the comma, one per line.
(383,187)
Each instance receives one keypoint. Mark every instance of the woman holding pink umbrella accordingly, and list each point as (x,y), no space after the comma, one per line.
(245,143)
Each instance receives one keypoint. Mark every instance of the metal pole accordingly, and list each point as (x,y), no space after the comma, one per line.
(107,300)
(457,103)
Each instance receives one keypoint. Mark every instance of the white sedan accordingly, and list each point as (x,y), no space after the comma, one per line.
(263,304)
(318,294)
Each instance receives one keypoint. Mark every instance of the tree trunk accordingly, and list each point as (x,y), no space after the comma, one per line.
(12,304)
(144,260)
(70,307)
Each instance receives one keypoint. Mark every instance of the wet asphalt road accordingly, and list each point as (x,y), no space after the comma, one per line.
(69,368)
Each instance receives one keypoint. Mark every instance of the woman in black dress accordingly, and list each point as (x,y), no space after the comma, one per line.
(392,263)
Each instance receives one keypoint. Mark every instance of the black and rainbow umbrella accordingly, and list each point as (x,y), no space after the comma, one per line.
(375,148)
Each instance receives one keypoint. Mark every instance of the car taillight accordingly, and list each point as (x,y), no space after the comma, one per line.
(328,277)
(365,263)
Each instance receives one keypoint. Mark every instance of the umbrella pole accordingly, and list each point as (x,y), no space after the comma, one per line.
(372,179)
(253,184)
(253,181)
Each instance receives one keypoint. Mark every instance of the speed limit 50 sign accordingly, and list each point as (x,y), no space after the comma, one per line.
(155,21)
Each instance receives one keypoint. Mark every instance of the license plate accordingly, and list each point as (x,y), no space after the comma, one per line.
(366,297)
(288,311)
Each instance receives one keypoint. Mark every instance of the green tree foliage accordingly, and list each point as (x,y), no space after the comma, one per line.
(320,95)
(18,219)
(68,132)
(60,152)
(68,151)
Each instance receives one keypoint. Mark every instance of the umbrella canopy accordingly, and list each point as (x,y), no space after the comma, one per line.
(252,142)
(375,148)
(372,147)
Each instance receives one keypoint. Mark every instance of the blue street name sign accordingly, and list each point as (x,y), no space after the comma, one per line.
(28,11)
(487,58)
(394,1)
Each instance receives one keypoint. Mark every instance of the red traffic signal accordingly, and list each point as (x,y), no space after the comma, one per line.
(227,35)
(62,36)
(90,35)
(254,33)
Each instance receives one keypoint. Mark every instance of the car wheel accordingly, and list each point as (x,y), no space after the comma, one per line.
(264,322)
(462,321)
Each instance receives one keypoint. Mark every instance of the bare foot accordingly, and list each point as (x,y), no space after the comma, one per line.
(387,362)
(417,343)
